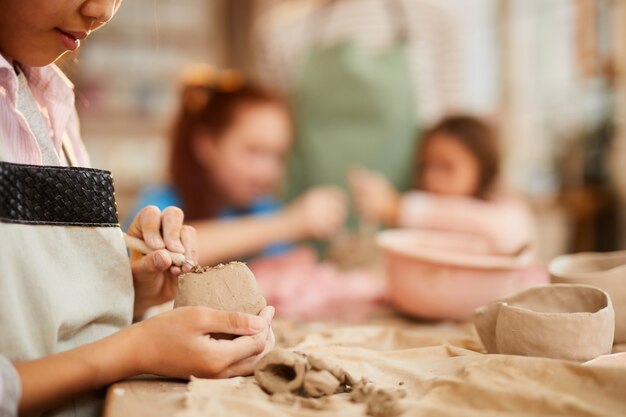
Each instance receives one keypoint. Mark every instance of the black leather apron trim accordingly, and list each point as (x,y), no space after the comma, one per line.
(51,195)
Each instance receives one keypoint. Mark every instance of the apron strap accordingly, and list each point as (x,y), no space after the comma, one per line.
(393,8)
(39,127)
(68,151)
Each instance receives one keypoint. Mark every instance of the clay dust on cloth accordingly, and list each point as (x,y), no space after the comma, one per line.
(421,370)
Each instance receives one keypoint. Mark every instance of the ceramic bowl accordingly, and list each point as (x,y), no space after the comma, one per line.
(441,275)
(560,321)
(603,270)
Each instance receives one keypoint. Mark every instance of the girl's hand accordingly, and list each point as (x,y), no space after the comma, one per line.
(319,213)
(246,366)
(177,343)
(173,344)
(374,197)
(154,277)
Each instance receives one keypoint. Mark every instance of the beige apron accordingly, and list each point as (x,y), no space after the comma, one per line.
(65,278)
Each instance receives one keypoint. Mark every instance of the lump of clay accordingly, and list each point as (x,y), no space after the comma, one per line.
(320,383)
(293,378)
(606,271)
(574,322)
(230,287)
(283,371)
(338,372)
(379,402)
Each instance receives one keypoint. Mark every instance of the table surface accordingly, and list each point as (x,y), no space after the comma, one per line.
(145,397)
(150,396)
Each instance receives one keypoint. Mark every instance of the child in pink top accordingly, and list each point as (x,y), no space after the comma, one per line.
(458,163)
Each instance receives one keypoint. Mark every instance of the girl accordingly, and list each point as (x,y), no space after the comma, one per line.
(67,291)
(229,147)
(457,169)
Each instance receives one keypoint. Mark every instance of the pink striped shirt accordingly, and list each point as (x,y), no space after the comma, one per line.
(54,94)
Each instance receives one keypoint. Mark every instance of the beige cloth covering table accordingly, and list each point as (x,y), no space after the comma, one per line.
(440,366)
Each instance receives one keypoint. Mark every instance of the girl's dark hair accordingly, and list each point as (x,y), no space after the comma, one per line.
(210,102)
(479,138)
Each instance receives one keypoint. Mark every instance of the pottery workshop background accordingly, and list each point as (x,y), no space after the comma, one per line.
(550,73)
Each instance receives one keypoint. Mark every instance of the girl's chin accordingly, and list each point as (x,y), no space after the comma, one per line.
(41,59)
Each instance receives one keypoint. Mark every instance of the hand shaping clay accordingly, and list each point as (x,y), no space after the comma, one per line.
(230,287)
(606,271)
(574,322)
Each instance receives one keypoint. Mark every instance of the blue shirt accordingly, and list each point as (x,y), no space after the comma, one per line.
(165,196)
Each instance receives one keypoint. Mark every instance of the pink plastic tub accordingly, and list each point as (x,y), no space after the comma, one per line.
(443,275)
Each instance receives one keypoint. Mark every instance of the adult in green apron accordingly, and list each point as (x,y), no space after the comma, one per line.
(354,107)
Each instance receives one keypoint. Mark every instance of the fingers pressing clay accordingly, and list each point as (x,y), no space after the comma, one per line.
(234,323)
(268,313)
(240,349)
(172,224)
(154,262)
(147,225)
(189,241)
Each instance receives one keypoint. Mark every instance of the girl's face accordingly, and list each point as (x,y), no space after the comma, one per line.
(37,32)
(448,167)
(248,161)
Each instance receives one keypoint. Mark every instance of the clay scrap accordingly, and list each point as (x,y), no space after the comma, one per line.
(378,402)
(283,371)
(297,379)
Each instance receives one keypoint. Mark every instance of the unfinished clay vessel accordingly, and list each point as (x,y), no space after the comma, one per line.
(561,321)
(603,270)
(230,287)
(444,275)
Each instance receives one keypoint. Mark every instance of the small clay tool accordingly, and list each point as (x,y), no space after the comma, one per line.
(139,245)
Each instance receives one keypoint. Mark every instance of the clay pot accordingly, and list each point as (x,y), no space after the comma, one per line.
(230,287)
(603,270)
(443,275)
(561,321)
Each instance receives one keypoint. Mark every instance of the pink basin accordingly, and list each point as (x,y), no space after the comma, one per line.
(443,275)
